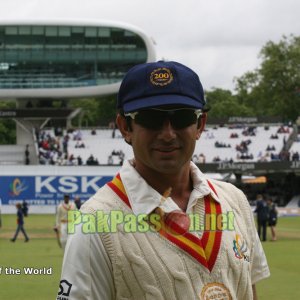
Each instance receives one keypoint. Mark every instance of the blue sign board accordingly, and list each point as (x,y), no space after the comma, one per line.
(48,190)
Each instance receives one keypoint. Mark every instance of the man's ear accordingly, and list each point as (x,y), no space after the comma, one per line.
(124,128)
(201,125)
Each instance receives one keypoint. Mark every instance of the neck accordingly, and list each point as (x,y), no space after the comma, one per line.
(180,183)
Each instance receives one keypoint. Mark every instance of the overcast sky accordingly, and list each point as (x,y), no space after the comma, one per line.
(219,39)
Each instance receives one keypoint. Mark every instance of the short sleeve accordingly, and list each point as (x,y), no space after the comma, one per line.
(86,271)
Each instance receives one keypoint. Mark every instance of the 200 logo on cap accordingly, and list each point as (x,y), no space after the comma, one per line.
(161,76)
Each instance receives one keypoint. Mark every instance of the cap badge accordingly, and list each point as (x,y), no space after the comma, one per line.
(161,76)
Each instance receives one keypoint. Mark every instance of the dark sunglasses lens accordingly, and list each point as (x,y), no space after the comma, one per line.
(154,119)
(183,118)
(150,119)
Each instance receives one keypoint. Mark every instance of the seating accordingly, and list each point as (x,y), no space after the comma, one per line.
(104,144)
(12,155)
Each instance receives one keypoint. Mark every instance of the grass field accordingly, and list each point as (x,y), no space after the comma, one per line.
(284,262)
(42,251)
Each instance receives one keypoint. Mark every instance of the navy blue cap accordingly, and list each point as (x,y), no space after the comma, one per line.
(160,83)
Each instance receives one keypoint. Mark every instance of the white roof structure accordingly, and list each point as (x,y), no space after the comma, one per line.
(59,89)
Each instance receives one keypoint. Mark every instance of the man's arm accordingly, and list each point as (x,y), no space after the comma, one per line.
(87,272)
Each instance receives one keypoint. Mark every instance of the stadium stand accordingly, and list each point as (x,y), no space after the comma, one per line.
(247,154)
(295,202)
(12,155)
(260,143)
(81,147)
(106,147)
(295,149)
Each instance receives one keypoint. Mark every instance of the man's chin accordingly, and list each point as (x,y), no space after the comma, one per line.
(168,166)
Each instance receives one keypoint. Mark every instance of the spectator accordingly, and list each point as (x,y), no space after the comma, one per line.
(79,160)
(202,158)
(77,202)
(58,132)
(272,218)
(295,156)
(79,145)
(110,160)
(25,208)
(195,159)
(20,224)
(262,211)
(27,160)
(77,135)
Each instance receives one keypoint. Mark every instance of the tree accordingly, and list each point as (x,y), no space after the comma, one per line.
(224,104)
(280,72)
(273,88)
(7,126)
(107,108)
(96,111)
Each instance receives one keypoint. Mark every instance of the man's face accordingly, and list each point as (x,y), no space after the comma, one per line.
(66,199)
(165,150)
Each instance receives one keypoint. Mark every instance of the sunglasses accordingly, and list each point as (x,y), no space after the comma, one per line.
(154,118)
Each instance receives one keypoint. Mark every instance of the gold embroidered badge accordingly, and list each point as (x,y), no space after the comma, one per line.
(215,291)
(161,76)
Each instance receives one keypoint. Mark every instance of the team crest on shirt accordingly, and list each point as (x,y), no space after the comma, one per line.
(216,291)
(240,248)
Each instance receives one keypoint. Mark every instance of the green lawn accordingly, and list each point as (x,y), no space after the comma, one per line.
(42,251)
(284,262)
(38,253)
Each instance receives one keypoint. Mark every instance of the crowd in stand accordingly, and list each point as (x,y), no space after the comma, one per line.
(234,135)
(249,131)
(54,149)
(92,161)
(209,135)
(222,145)
(283,129)
(51,150)
(243,146)
(199,159)
(269,154)
(120,155)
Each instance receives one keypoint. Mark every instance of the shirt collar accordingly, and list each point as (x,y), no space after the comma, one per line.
(144,199)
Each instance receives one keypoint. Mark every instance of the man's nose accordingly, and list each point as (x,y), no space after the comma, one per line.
(167,132)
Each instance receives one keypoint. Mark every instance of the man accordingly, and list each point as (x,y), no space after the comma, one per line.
(161,115)
(61,226)
(262,213)
(272,221)
(20,224)
(77,202)
(25,208)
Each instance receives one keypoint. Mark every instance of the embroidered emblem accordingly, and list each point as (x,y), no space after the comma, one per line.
(216,291)
(161,76)
(240,248)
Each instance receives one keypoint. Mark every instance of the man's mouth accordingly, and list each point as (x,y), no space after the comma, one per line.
(166,149)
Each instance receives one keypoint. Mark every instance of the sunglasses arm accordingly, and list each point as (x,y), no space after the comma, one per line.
(131,115)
